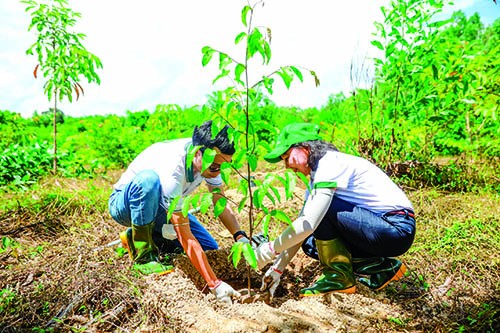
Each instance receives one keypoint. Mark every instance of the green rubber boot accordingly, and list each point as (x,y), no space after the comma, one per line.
(139,243)
(337,274)
(128,242)
(381,271)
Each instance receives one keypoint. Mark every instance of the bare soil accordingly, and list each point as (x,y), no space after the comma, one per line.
(65,273)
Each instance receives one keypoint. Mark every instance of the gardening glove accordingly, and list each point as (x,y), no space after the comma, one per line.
(243,238)
(258,239)
(270,281)
(224,292)
(265,254)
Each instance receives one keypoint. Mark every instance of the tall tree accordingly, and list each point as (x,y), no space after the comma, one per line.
(62,58)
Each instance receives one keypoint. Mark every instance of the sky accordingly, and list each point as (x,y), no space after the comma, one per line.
(151,50)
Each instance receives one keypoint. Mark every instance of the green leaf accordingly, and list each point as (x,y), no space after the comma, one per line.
(265,224)
(240,37)
(257,198)
(244,13)
(249,255)
(276,193)
(297,72)
(290,183)
(252,161)
(190,200)
(377,44)
(206,201)
(220,206)
(224,60)
(222,74)
(172,206)
(242,203)
(304,180)
(239,69)
(267,52)
(236,251)
(191,151)
(225,172)
(287,78)
(435,72)
(208,53)
(208,158)
(255,43)
(280,215)
(270,197)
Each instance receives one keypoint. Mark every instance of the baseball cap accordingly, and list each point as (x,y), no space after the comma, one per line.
(290,135)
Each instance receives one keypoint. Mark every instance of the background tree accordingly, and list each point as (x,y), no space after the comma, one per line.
(62,58)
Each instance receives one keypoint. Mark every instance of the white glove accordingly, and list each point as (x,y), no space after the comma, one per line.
(265,254)
(270,281)
(224,292)
(256,240)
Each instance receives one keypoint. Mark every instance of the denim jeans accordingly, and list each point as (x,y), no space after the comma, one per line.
(139,203)
(366,234)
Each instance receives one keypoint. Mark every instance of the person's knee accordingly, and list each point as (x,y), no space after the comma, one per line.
(309,247)
(210,245)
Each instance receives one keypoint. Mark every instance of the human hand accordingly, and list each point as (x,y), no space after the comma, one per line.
(270,281)
(258,239)
(243,239)
(264,254)
(224,292)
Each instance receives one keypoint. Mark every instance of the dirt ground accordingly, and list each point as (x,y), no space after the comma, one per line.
(65,273)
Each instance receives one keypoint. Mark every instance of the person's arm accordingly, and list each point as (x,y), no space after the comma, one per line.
(272,277)
(313,212)
(227,216)
(193,249)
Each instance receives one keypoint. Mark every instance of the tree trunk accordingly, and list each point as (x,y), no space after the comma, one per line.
(54,120)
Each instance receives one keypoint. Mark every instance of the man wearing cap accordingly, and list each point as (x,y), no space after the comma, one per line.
(359,217)
(152,182)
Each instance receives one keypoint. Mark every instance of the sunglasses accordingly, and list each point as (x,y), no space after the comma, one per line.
(214,167)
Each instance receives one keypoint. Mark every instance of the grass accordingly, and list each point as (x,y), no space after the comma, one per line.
(58,274)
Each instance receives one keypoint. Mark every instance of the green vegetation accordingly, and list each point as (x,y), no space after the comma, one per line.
(430,116)
(429,119)
(62,58)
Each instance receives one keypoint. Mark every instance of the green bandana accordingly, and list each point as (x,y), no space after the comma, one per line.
(290,135)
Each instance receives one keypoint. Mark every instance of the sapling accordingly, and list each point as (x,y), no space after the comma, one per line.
(233,106)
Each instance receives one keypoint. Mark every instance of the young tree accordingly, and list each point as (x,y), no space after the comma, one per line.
(235,106)
(62,58)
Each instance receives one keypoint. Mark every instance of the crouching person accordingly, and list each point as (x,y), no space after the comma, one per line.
(360,219)
(142,196)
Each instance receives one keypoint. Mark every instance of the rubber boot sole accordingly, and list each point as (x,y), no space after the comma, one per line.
(399,274)
(350,290)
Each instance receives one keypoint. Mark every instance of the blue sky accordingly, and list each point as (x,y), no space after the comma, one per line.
(151,51)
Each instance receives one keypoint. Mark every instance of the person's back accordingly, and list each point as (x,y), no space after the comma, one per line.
(360,182)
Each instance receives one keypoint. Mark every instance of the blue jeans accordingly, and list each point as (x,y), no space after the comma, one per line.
(366,234)
(139,203)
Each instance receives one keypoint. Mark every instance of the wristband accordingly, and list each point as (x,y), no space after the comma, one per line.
(238,233)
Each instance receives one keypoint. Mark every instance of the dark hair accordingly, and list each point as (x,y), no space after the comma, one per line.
(317,149)
(202,136)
